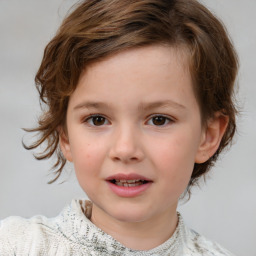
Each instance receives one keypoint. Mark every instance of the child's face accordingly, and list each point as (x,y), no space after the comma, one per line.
(134,116)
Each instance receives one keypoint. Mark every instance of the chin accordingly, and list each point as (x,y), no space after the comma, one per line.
(130,216)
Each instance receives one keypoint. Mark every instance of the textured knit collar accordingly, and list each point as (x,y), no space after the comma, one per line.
(74,223)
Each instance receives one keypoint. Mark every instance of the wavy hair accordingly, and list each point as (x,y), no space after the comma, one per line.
(95,29)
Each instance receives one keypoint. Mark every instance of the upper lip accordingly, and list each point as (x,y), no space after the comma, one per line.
(130,176)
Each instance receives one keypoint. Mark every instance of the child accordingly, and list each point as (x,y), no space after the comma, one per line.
(139,96)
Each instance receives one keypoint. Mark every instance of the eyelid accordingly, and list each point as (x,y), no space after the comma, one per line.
(169,118)
(90,116)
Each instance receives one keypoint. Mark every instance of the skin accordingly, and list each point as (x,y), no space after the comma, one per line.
(128,90)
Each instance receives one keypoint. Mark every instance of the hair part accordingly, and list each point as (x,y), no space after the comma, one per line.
(97,29)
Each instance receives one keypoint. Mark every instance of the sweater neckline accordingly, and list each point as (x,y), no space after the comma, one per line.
(74,223)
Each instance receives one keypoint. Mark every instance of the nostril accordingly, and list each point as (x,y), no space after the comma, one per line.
(125,152)
(125,158)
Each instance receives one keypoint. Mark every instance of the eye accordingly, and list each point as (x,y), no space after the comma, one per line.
(96,120)
(159,120)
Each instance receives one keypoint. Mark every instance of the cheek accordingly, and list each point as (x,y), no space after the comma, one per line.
(175,167)
(88,160)
(87,157)
(174,158)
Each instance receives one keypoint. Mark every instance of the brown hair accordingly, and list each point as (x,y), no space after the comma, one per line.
(98,28)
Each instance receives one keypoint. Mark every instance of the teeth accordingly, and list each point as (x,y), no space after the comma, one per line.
(132,181)
(129,183)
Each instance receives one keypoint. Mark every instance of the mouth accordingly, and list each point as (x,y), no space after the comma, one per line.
(128,180)
(128,183)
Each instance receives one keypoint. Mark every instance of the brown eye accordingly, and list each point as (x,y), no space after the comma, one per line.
(159,120)
(96,120)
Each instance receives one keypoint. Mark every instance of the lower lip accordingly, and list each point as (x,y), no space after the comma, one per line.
(129,191)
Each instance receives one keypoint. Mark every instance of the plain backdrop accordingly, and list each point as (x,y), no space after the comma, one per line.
(223,209)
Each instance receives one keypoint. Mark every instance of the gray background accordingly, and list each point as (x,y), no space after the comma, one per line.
(223,210)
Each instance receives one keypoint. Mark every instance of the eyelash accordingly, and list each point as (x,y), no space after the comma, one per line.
(166,120)
(90,117)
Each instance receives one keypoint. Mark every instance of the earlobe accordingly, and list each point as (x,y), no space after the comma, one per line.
(64,145)
(211,137)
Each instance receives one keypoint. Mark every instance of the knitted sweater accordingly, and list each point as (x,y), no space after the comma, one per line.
(72,233)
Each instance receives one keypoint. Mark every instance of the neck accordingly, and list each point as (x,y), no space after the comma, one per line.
(144,235)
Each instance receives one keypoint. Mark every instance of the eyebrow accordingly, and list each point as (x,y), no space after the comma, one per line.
(158,104)
(143,106)
(93,105)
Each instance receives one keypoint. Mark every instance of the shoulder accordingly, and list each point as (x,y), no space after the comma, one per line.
(40,235)
(12,226)
(17,234)
(197,244)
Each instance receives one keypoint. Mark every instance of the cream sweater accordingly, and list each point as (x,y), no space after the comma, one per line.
(72,233)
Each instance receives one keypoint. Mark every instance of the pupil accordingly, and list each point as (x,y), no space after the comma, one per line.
(159,120)
(98,120)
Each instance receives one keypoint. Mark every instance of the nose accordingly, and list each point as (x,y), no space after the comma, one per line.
(126,146)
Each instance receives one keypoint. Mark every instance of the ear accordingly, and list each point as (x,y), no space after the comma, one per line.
(64,144)
(211,137)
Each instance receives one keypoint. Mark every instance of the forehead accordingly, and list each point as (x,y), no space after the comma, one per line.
(137,76)
(147,60)
(163,52)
